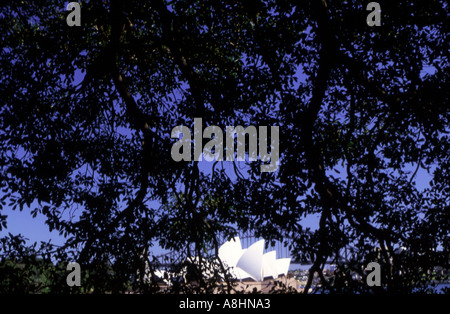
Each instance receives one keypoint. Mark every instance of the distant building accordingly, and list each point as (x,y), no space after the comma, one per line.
(252,262)
(249,268)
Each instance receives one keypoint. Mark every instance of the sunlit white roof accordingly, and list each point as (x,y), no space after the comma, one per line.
(252,262)
(282,266)
(242,263)
(269,265)
(230,252)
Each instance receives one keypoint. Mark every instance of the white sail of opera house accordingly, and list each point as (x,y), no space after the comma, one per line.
(250,263)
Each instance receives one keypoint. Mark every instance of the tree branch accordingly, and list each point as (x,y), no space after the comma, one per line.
(196,84)
(330,196)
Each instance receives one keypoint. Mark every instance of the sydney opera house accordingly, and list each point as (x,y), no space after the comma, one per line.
(251,268)
(252,262)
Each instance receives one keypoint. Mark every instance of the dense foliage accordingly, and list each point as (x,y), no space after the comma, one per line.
(87,112)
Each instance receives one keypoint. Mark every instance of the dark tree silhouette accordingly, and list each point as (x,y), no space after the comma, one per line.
(87,112)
